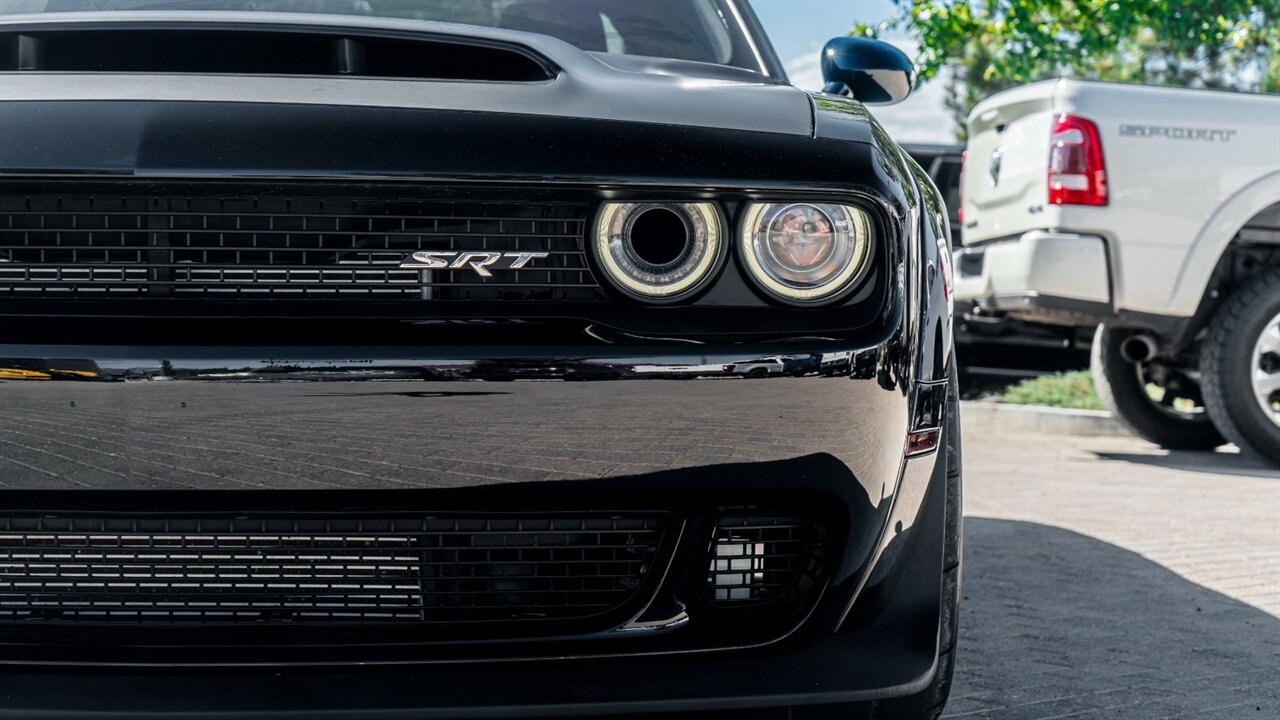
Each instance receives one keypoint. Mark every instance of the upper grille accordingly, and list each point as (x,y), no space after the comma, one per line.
(135,245)
(354,569)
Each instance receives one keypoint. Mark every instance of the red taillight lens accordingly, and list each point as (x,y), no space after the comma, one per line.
(964,161)
(1077,174)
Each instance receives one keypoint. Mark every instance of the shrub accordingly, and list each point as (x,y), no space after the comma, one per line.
(1072,390)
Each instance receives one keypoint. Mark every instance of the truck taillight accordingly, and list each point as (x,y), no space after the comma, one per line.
(964,161)
(1077,173)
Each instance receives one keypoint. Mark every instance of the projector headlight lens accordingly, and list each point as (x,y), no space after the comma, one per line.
(658,251)
(805,252)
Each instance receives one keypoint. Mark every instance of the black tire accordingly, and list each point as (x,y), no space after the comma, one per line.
(928,703)
(1122,389)
(1226,364)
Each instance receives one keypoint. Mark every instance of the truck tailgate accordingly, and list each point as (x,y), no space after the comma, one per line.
(1005,182)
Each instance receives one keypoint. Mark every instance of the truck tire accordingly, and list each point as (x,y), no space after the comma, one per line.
(1240,367)
(1123,389)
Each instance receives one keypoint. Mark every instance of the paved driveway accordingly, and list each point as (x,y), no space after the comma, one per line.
(1107,579)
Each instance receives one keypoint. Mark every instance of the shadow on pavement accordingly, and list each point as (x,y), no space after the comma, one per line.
(1204,462)
(1058,624)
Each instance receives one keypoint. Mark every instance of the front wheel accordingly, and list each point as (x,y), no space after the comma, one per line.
(1240,361)
(1158,402)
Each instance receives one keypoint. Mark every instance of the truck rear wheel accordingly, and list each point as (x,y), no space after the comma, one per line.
(1173,417)
(1240,362)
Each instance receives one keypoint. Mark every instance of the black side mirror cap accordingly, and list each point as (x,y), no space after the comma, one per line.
(872,71)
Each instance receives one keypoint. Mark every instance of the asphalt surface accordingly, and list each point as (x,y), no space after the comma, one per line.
(1105,579)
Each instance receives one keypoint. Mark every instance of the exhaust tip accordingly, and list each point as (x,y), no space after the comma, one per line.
(1138,348)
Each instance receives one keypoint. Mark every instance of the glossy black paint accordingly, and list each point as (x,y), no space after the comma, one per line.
(872,71)
(585,84)
(588,406)
(183,140)
(64,49)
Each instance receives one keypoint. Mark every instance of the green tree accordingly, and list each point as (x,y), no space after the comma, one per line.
(991,45)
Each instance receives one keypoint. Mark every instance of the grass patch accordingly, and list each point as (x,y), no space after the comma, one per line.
(1073,390)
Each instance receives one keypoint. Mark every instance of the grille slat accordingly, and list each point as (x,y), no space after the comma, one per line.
(761,559)
(137,245)
(424,569)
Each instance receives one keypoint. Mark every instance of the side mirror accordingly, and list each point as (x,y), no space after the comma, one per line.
(872,71)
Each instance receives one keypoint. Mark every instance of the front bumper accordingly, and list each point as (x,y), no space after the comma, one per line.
(662,428)
(1037,272)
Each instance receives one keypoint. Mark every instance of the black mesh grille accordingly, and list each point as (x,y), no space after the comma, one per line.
(131,246)
(761,558)
(432,569)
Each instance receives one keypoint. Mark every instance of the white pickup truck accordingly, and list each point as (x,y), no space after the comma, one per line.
(1154,213)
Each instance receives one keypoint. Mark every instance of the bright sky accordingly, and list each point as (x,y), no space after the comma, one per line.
(799,28)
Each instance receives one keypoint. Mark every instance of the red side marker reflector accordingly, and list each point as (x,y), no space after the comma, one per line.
(922,442)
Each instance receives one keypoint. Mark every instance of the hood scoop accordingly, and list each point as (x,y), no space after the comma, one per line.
(283,59)
(267,51)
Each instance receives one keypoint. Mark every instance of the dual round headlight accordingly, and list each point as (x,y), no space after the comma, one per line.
(659,251)
(805,252)
(797,252)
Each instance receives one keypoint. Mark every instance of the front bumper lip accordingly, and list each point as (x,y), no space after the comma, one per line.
(837,671)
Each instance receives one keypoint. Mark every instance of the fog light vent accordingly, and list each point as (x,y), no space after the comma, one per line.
(760,558)
(737,569)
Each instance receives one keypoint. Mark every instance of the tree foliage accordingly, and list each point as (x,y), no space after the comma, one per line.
(990,45)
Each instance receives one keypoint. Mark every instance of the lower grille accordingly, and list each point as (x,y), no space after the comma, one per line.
(289,570)
(124,242)
(758,559)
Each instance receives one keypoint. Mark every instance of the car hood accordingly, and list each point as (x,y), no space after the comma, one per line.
(584,85)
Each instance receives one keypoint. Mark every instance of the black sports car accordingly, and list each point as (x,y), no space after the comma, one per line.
(320,281)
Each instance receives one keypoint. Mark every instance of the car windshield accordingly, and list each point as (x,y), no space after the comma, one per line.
(700,30)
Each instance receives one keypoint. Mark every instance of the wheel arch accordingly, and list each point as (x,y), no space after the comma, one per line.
(1225,229)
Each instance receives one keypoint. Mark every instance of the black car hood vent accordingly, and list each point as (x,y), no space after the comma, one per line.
(265,51)
(348,61)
